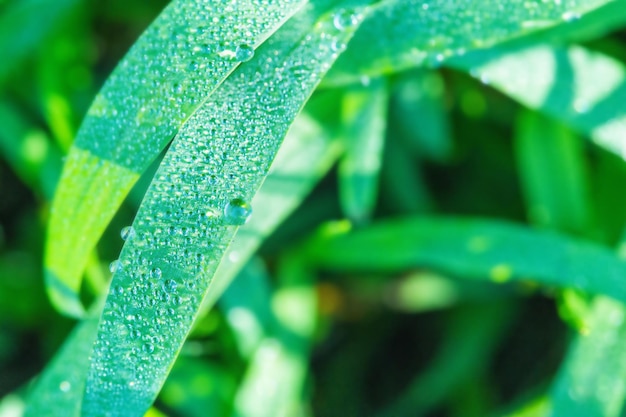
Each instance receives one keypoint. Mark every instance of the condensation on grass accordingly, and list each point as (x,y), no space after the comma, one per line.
(198,197)
(184,55)
(445,29)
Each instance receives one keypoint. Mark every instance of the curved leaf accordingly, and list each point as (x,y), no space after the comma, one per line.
(476,249)
(402,34)
(197,200)
(187,52)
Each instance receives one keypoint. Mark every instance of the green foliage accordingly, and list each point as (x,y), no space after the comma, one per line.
(392,203)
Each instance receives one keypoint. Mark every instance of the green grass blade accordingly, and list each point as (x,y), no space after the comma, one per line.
(553,174)
(198,199)
(391,40)
(364,112)
(477,249)
(23,26)
(59,389)
(583,89)
(173,67)
(246,306)
(590,382)
(275,378)
(307,153)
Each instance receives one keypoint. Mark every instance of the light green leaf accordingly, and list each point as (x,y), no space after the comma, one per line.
(245,305)
(59,389)
(364,111)
(553,174)
(183,56)
(390,40)
(591,380)
(477,249)
(583,89)
(277,371)
(199,196)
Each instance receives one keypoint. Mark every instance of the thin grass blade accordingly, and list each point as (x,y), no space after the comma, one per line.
(364,114)
(476,249)
(181,58)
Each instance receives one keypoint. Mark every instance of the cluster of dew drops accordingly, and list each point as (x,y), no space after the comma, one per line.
(235,213)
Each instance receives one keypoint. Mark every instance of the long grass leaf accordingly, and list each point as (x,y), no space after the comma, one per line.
(553,173)
(364,115)
(277,371)
(477,249)
(184,55)
(583,89)
(199,197)
(390,40)
(59,389)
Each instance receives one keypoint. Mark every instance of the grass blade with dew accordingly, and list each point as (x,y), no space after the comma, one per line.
(472,248)
(183,56)
(199,197)
(390,40)
(307,153)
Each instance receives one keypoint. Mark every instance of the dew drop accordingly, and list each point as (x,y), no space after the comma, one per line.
(244,53)
(115,266)
(570,16)
(65,386)
(345,19)
(156,273)
(119,290)
(127,232)
(170,285)
(135,334)
(237,211)
(148,347)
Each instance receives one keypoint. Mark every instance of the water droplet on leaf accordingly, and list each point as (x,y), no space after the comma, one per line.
(345,19)
(115,266)
(244,53)
(237,211)
(127,232)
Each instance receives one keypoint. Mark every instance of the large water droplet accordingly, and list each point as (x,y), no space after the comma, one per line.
(244,53)
(170,285)
(115,266)
(345,19)
(127,232)
(570,16)
(237,211)
(148,347)
(65,386)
